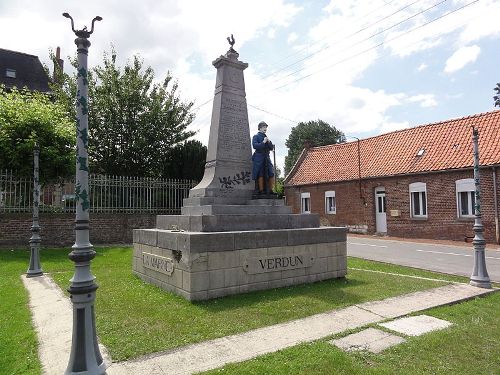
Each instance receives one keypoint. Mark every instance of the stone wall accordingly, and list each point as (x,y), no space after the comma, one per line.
(441,222)
(58,229)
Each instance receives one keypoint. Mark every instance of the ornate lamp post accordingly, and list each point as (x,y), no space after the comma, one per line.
(35,268)
(479,275)
(85,357)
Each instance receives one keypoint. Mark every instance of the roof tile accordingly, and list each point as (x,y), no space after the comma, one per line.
(446,144)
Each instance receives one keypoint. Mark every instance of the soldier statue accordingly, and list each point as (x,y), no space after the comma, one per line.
(263,170)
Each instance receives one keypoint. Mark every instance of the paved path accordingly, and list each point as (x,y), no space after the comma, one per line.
(47,302)
(455,260)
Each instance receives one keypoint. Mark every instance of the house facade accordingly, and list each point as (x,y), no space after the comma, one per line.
(415,183)
(21,70)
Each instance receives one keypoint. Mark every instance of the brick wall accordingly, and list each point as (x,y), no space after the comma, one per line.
(58,229)
(441,221)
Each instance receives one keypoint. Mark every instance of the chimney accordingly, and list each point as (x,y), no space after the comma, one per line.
(307,144)
(59,62)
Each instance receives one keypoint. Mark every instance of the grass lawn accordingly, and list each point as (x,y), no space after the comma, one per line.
(18,342)
(470,346)
(134,318)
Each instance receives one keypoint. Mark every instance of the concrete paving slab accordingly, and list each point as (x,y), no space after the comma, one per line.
(371,339)
(52,316)
(416,325)
(423,300)
(237,348)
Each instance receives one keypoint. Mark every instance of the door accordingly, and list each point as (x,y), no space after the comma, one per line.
(380,215)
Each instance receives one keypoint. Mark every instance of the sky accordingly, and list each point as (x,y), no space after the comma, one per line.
(366,67)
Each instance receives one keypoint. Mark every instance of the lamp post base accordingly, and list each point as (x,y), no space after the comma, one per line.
(85,357)
(35,269)
(486,284)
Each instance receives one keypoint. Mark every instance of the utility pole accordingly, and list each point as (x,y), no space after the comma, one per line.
(479,275)
(85,357)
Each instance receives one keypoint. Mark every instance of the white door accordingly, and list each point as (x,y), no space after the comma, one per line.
(380,215)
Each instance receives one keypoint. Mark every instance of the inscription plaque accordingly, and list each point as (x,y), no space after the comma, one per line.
(158,263)
(278,263)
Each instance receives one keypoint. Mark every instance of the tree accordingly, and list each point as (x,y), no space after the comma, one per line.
(186,161)
(133,122)
(28,117)
(318,133)
(496,98)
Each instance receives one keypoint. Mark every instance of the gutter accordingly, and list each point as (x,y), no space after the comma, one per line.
(495,204)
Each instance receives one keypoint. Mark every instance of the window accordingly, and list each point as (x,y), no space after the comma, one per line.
(305,203)
(330,203)
(418,200)
(465,197)
(11,73)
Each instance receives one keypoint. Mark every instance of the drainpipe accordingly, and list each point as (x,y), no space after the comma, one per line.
(495,204)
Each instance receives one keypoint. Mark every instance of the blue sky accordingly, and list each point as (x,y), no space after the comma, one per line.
(364,66)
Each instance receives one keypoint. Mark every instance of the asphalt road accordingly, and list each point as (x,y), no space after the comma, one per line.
(454,260)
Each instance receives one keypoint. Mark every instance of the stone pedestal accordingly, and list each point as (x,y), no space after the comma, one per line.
(200,266)
(224,242)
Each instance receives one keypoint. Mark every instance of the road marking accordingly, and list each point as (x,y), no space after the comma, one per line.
(446,253)
(364,244)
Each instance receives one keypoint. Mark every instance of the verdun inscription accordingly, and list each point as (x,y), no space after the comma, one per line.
(158,263)
(278,263)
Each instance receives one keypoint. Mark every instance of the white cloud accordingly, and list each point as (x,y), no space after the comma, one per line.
(392,126)
(292,37)
(425,100)
(461,58)
(271,33)
(422,67)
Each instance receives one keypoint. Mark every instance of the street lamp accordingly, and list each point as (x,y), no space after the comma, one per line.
(85,357)
(479,275)
(35,269)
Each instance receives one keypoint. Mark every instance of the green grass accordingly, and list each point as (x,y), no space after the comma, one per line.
(18,342)
(135,318)
(470,346)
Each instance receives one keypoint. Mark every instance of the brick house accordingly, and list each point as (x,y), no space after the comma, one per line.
(414,182)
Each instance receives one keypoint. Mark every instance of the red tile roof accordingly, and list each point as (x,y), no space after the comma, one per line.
(446,145)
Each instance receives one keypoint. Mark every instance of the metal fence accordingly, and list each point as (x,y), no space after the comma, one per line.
(107,194)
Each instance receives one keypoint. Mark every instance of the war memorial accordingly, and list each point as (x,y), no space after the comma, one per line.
(226,241)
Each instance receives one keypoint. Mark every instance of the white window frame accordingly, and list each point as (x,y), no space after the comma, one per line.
(303,198)
(421,189)
(330,194)
(465,185)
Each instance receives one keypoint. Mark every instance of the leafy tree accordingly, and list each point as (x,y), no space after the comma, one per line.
(133,122)
(186,161)
(28,117)
(496,98)
(318,133)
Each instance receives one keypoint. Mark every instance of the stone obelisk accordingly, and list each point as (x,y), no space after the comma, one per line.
(227,177)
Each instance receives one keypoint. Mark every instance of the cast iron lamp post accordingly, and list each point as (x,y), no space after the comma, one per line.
(35,269)
(85,357)
(479,275)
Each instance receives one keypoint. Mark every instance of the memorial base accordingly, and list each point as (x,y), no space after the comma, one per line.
(206,265)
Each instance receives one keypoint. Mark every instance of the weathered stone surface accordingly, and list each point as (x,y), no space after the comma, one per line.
(228,167)
(222,237)
(371,339)
(278,262)
(235,210)
(416,325)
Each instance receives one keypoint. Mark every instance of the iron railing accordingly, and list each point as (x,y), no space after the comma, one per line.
(107,194)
